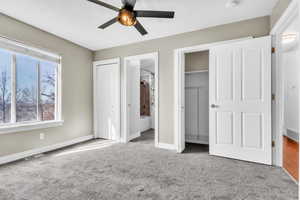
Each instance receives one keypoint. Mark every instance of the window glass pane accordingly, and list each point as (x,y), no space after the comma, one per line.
(26,88)
(5,86)
(47,90)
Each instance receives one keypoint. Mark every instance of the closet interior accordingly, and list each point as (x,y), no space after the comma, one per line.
(197,97)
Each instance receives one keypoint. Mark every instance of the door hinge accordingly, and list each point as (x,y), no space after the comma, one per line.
(273,49)
(273,143)
(273,97)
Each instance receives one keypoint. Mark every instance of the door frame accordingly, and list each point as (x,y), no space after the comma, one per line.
(179,62)
(125,138)
(277,83)
(98,64)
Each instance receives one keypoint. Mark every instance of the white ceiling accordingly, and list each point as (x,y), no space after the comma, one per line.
(293,27)
(77,20)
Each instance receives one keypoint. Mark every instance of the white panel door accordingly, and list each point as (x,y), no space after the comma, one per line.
(107,102)
(133,99)
(240,100)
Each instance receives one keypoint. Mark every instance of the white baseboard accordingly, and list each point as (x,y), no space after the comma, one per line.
(136,135)
(166,146)
(21,155)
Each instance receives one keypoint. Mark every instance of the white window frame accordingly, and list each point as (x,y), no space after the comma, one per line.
(18,48)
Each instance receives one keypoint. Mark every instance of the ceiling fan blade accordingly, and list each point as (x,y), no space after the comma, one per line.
(110,22)
(130,3)
(105,5)
(140,28)
(154,14)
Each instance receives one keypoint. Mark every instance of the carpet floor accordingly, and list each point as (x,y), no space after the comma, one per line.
(104,170)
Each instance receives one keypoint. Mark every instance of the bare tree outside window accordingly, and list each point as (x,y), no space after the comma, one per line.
(47,93)
(5,97)
(26,102)
(5,86)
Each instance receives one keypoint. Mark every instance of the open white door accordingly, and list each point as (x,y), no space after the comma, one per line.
(133,99)
(240,99)
(107,101)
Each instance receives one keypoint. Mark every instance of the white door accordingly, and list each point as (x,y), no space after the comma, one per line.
(240,100)
(107,105)
(133,99)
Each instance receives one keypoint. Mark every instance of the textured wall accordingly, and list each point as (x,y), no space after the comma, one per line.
(77,88)
(165,46)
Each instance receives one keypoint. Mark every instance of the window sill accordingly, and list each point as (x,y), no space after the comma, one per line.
(20,127)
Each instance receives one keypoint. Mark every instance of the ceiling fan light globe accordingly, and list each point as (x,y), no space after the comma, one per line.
(126,18)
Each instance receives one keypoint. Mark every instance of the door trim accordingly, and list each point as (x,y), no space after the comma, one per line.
(179,85)
(124,135)
(277,80)
(96,65)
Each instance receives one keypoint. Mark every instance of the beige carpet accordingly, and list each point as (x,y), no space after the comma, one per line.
(102,170)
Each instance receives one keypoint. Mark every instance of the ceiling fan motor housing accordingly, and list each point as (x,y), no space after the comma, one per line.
(127,17)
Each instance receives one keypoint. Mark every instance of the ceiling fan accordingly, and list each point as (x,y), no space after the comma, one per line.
(128,16)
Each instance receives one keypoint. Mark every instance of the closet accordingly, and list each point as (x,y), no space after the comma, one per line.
(197,97)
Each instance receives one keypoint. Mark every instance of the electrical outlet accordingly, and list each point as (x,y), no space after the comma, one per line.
(42,136)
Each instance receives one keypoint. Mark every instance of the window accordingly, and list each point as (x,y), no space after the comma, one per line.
(29,79)
(26,88)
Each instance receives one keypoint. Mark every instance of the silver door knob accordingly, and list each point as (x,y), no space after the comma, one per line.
(214,106)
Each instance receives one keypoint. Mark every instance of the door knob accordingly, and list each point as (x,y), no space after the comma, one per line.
(214,106)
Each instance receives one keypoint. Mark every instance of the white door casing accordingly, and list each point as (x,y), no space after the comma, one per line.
(133,99)
(180,101)
(107,101)
(240,100)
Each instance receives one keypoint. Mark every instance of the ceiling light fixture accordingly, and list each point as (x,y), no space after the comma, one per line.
(289,41)
(232,3)
(289,37)
(126,17)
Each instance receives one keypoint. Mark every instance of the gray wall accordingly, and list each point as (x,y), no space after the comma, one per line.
(165,46)
(278,10)
(77,88)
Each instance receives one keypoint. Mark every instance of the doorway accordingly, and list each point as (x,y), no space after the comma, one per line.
(197,100)
(140,98)
(239,99)
(286,77)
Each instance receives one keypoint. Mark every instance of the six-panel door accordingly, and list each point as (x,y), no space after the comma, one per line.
(240,100)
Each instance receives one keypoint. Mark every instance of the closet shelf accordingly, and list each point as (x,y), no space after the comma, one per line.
(197,141)
(199,71)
